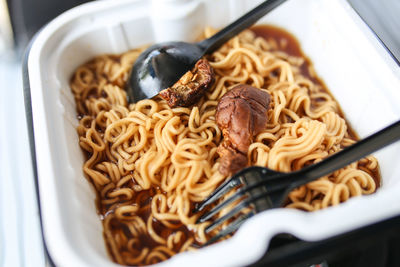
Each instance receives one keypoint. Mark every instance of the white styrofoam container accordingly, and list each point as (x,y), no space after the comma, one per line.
(346,55)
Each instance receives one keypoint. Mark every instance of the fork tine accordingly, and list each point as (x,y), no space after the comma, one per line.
(230,228)
(241,205)
(271,203)
(236,180)
(224,188)
(239,193)
(220,206)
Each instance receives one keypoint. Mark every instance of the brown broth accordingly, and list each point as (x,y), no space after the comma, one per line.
(144,199)
(293,48)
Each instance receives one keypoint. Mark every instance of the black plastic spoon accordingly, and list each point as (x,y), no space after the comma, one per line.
(161,65)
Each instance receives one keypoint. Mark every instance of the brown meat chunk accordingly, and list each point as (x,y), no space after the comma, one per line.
(241,114)
(232,161)
(191,86)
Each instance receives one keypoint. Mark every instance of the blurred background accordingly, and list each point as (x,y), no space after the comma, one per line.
(20,236)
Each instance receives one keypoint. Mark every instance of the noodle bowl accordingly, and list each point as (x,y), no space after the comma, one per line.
(150,163)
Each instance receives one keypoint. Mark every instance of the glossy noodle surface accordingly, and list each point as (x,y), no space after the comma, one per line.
(150,164)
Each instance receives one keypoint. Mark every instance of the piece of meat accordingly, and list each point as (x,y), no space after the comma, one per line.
(191,86)
(241,114)
(232,161)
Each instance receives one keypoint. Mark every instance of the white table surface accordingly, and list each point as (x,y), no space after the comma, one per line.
(20,235)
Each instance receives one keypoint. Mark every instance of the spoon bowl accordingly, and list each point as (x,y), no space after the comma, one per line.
(160,66)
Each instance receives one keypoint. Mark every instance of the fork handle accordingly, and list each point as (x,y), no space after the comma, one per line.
(361,149)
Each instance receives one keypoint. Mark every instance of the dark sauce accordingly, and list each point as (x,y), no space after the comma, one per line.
(161,230)
(292,47)
(144,199)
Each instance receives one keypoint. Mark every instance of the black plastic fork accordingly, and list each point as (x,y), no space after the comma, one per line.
(264,189)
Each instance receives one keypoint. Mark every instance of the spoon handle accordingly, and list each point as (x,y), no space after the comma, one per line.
(214,42)
(361,149)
